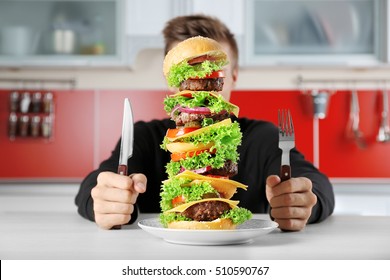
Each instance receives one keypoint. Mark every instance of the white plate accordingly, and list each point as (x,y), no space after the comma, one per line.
(244,233)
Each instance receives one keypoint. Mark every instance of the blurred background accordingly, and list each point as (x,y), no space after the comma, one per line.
(66,66)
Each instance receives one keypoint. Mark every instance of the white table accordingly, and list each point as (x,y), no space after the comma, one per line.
(35,225)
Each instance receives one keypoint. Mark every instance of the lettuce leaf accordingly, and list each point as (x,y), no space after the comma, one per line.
(216,104)
(225,140)
(238,215)
(224,136)
(177,187)
(166,218)
(204,159)
(183,71)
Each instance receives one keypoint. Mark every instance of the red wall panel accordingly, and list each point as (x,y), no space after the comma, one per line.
(67,155)
(339,154)
(264,105)
(146,105)
(88,125)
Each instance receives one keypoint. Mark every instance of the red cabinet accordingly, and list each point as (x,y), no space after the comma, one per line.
(88,123)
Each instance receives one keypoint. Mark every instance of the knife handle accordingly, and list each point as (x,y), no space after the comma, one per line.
(285,172)
(122,169)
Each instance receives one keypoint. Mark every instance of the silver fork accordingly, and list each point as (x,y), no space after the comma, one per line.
(286,142)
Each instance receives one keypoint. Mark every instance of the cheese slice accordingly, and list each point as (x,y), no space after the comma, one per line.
(181,208)
(225,122)
(184,147)
(196,176)
(226,187)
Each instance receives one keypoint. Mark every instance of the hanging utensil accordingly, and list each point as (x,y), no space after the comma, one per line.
(384,128)
(355,119)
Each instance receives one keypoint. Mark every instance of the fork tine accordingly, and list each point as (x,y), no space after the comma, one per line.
(290,123)
(287,127)
(279,120)
(285,123)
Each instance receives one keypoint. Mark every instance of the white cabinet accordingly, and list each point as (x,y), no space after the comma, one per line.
(148,17)
(231,12)
(316,32)
(40,33)
(88,33)
(85,33)
(145,20)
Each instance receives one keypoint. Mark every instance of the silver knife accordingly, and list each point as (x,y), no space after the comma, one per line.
(127,141)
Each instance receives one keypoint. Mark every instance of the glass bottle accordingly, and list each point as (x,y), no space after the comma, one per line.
(14,101)
(25,102)
(47,126)
(48,105)
(92,40)
(36,102)
(23,126)
(12,125)
(35,126)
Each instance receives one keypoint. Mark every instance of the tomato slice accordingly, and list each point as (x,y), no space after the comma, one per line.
(187,94)
(217,176)
(179,156)
(200,59)
(212,75)
(215,74)
(176,132)
(180,199)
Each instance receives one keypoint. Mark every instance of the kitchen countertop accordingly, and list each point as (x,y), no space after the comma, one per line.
(47,226)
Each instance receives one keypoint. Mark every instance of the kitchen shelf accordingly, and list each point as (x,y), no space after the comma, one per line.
(82,33)
(316,33)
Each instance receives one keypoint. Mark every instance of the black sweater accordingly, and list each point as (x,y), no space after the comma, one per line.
(259,158)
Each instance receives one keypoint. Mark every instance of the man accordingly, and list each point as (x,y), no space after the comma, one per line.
(110,199)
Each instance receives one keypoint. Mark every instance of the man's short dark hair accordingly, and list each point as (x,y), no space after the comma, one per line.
(183,27)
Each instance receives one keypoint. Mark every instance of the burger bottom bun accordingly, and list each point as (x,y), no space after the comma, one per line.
(218,224)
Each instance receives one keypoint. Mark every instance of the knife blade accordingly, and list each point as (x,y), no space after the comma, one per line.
(127,141)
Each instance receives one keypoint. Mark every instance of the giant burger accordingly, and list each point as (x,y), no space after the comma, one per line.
(203,145)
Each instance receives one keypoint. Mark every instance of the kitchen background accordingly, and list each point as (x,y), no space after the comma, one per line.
(78,60)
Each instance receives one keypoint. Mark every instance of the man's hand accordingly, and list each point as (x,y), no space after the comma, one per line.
(114,197)
(291,201)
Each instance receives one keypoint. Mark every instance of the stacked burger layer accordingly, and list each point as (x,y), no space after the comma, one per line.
(204,143)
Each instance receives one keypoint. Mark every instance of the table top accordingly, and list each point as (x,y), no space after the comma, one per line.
(48,227)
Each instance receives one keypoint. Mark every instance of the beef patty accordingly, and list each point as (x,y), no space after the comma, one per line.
(189,119)
(206,211)
(229,169)
(215,84)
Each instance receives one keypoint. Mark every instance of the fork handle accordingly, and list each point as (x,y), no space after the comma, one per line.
(285,172)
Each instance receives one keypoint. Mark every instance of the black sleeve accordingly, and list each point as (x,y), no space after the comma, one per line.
(322,187)
(147,158)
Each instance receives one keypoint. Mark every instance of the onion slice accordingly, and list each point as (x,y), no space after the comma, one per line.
(195,110)
(198,171)
(174,110)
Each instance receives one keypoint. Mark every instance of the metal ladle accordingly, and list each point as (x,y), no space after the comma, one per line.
(384,128)
(355,119)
